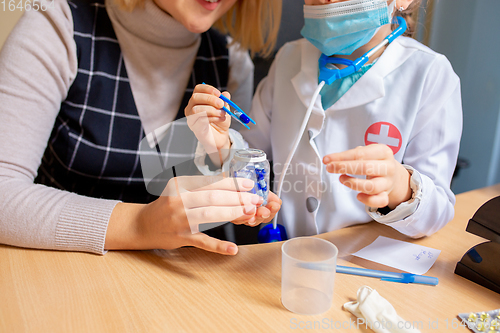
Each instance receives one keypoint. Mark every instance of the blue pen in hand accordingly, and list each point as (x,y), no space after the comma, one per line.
(238,113)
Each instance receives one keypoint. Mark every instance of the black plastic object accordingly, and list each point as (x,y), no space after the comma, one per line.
(481,264)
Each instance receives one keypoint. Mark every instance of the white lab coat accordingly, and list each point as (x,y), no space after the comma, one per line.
(410,87)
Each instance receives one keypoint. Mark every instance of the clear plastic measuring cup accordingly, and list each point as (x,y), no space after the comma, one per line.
(308,275)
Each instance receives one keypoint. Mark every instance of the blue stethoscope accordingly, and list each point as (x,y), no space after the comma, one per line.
(327,75)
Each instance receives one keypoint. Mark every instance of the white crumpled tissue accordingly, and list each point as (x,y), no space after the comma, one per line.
(375,312)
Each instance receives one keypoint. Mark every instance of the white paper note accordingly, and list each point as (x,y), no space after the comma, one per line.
(408,257)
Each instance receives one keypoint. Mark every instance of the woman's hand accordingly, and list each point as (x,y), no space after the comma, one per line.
(387,182)
(209,122)
(172,220)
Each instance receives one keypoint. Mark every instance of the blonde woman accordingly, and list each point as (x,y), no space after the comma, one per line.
(82,83)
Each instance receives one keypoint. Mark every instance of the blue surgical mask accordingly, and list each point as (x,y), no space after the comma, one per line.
(343,27)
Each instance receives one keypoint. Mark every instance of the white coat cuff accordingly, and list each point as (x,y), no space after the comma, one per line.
(237,142)
(404,209)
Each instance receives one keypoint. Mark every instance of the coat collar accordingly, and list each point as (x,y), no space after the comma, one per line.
(306,80)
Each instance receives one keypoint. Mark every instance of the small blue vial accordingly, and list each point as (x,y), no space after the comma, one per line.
(252,164)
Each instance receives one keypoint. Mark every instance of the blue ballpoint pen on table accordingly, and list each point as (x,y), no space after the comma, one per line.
(238,114)
(383,275)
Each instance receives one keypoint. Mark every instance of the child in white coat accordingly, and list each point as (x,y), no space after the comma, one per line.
(388,134)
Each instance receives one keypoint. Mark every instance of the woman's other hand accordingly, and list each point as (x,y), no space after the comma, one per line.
(172,220)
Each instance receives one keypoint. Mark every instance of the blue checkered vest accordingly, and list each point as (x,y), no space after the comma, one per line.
(93,149)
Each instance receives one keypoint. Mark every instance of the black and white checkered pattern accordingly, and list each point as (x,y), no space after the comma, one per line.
(94,146)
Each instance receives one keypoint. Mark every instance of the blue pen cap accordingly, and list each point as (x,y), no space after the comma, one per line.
(422,279)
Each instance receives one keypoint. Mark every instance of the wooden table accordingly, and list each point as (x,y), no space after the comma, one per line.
(189,290)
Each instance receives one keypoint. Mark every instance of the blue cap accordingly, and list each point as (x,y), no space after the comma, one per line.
(269,234)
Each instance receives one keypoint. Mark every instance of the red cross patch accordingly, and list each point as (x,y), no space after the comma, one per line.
(385,133)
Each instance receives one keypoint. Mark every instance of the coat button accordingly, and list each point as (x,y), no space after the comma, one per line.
(310,132)
(311,204)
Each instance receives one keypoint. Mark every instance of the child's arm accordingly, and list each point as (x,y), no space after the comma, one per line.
(430,155)
(211,124)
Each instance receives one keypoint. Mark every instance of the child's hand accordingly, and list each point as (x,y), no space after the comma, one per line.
(264,214)
(387,182)
(206,118)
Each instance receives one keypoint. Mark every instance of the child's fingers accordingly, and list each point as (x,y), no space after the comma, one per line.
(226,94)
(206,89)
(273,198)
(211,112)
(206,99)
(246,219)
(370,152)
(371,186)
(263,213)
(252,222)
(274,207)
(380,200)
(267,213)
(249,221)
